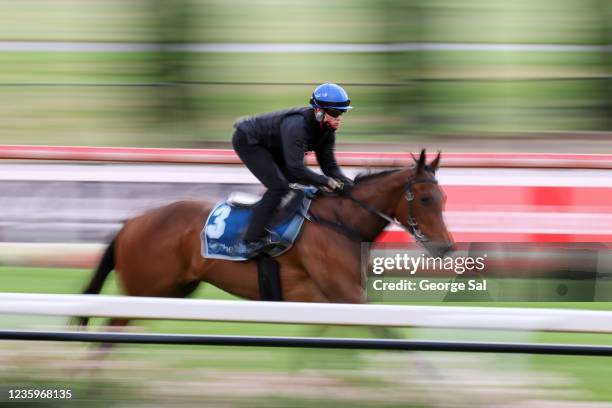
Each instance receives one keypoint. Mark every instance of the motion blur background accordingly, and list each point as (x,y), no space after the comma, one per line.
(458,75)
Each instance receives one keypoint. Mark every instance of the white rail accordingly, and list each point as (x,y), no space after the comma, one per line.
(66,46)
(487,318)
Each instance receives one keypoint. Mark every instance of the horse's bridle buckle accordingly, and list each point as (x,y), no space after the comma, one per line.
(410,220)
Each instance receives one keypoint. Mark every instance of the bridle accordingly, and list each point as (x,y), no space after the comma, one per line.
(413,225)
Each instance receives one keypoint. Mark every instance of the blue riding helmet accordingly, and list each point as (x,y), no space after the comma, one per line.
(330,95)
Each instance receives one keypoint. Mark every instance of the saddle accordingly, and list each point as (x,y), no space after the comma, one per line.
(223,230)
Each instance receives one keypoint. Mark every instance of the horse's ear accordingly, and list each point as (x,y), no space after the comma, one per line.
(421,162)
(435,164)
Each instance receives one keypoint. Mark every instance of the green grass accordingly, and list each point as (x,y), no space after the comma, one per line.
(588,374)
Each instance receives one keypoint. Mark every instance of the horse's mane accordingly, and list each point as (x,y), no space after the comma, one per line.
(369,175)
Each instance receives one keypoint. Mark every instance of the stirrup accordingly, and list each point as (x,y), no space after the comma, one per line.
(272,238)
(254,248)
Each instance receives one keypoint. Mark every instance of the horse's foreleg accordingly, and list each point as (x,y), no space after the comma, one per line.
(297,285)
(339,279)
(332,263)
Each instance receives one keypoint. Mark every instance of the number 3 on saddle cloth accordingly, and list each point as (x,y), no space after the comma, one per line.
(228,220)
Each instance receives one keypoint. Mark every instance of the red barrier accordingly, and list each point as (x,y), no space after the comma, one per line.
(519,212)
(358,159)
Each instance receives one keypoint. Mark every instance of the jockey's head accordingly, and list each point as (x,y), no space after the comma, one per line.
(330,101)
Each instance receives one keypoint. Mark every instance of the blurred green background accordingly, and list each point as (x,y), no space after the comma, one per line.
(154,93)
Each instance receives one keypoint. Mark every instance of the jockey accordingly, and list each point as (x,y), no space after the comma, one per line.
(272,146)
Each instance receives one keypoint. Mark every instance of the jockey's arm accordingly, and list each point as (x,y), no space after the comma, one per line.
(327,160)
(294,136)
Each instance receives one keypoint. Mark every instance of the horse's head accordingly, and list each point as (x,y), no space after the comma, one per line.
(420,210)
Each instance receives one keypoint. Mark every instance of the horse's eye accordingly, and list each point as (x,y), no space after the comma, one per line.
(425,200)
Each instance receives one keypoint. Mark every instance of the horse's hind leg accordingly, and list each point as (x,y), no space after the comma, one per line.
(118,323)
(91,362)
(114,324)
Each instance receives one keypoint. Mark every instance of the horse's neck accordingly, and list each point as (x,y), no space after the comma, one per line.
(382,194)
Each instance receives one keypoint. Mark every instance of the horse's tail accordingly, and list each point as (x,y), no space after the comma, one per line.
(105,266)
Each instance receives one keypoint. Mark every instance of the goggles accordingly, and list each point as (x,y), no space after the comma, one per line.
(334,113)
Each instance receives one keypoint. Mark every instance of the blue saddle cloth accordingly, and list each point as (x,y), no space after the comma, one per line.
(227,222)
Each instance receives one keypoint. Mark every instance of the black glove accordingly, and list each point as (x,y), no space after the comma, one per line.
(339,187)
(348,182)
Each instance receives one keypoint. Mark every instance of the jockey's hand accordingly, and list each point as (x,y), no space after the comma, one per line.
(348,183)
(338,186)
(334,185)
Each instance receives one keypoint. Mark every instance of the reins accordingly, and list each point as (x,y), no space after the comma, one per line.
(412,228)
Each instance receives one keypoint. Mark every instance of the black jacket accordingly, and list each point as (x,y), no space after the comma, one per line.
(288,135)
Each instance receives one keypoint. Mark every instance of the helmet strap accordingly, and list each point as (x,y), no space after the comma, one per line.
(325,127)
(319,114)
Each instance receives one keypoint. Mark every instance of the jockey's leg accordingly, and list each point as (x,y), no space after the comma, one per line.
(261,163)
(263,213)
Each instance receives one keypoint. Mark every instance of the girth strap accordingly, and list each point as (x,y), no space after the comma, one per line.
(269,279)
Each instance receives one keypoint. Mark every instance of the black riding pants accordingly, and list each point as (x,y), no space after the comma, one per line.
(261,163)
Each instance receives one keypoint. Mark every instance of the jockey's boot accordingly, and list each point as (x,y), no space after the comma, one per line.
(254,248)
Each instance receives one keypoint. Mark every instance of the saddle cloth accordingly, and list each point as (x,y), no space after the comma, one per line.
(228,220)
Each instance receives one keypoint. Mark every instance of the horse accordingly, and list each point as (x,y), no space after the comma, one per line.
(158,253)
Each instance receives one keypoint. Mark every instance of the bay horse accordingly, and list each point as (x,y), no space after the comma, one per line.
(158,252)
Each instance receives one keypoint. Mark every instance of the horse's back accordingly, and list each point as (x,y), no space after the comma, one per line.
(154,247)
(168,220)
